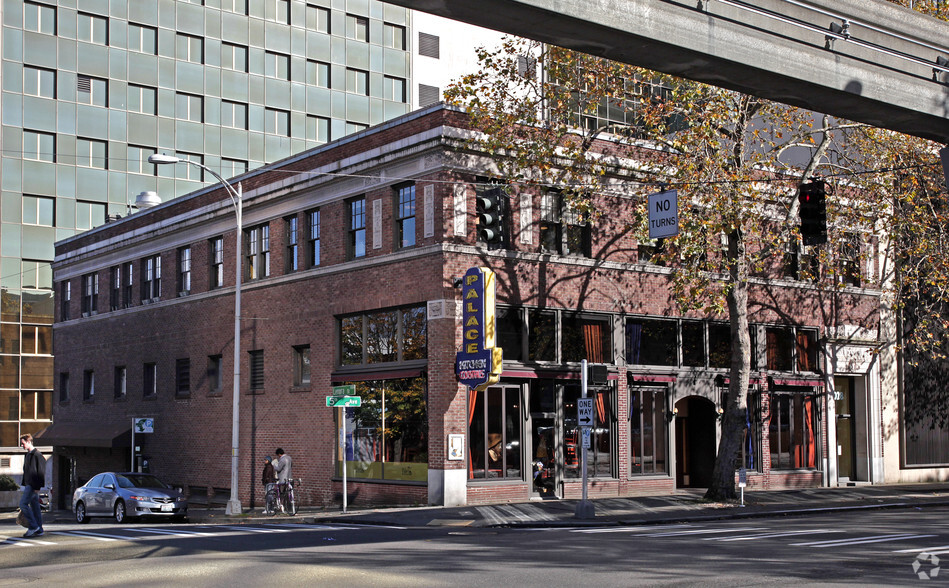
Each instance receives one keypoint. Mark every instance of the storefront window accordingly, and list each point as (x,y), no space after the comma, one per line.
(543,336)
(693,344)
(648,431)
(510,333)
(586,338)
(793,431)
(599,456)
(651,342)
(780,348)
(494,433)
(387,437)
(385,336)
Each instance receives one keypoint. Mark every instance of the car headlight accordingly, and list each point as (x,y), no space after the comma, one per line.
(140,498)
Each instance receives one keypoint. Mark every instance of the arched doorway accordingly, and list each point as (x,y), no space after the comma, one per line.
(695,424)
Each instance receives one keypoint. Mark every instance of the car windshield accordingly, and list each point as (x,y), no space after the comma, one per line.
(139,481)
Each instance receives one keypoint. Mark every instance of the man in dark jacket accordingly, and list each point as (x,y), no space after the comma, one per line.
(34,478)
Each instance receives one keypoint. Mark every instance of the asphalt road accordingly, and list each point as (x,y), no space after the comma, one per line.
(855,548)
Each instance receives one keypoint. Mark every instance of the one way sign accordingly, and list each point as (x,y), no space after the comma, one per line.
(585,412)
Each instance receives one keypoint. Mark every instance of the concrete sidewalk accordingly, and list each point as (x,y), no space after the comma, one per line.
(682,506)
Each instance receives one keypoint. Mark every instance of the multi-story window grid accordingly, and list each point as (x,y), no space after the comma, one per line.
(233,114)
(39,82)
(90,90)
(801,261)
(151,278)
(39,146)
(184,270)
(119,382)
(356,243)
(281,11)
(149,380)
(357,81)
(92,153)
(189,172)
(293,243)
(318,73)
(234,57)
(92,28)
(189,48)
(89,214)
(39,210)
(39,18)
(393,36)
(236,6)
(143,39)
(318,129)
(405,216)
(232,167)
(215,369)
(88,385)
(115,288)
(850,260)
(142,99)
(313,238)
(318,19)
(256,369)
(357,27)
(189,107)
(65,295)
(183,377)
(137,160)
(127,280)
(257,254)
(36,340)
(277,122)
(562,230)
(301,365)
(277,65)
(216,256)
(393,88)
(90,294)
(64,386)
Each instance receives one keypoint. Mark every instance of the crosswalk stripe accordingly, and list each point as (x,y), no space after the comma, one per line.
(702,532)
(861,540)
(27,541)
(178,532)
(253,529)
(926,549)
(628,529)
(769,535)
(91,535)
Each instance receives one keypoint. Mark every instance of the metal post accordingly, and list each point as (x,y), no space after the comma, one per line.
(585,508)
(342,444)
(234,503)
(132,459)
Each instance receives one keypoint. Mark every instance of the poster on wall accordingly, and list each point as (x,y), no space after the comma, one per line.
(456,447)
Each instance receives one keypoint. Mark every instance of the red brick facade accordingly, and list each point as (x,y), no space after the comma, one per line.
(191,443)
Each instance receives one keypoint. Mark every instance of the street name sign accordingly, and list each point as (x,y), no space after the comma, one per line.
(334,401)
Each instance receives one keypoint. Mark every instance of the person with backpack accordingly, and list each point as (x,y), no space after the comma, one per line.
(34,478)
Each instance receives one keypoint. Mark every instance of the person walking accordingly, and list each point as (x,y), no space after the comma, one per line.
(34,478)
(282,466)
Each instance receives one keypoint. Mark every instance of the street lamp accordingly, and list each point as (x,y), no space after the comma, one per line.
(234,503)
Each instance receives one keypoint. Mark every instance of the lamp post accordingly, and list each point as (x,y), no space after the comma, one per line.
(234,503)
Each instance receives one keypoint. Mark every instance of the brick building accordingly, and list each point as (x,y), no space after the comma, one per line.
(351,255)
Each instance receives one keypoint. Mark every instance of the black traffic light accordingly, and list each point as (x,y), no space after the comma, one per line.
(812,196)
(490,205)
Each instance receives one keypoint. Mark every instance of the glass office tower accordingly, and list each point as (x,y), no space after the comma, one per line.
(91,88)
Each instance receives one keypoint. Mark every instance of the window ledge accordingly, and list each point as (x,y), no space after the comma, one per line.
(301,388)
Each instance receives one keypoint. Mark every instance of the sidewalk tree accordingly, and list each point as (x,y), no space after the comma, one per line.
(736,161)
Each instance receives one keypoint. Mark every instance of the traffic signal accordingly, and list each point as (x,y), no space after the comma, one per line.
(812,196)
(490,205)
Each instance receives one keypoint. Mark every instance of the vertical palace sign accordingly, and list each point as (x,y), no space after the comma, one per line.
(478,364)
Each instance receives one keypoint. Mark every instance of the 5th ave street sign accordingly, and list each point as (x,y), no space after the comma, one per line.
(334,401)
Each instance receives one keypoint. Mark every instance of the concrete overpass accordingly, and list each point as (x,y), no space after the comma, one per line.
(865,60)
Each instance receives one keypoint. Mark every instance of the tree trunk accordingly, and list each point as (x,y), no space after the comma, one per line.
(722,486)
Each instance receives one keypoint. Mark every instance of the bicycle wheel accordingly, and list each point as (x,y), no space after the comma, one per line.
(291,501)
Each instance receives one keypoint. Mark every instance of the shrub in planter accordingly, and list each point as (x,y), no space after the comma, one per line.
(7,483)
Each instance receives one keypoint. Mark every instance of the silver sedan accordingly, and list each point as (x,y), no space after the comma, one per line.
(128,495)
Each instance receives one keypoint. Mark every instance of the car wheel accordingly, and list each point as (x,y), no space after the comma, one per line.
(81,516)
(120,515)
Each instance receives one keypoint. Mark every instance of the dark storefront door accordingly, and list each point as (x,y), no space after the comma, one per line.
(546,448)
(844,408)
(695,424)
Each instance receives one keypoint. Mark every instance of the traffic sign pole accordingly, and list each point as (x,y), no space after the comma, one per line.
(585,508)
(343,396)
(342,443)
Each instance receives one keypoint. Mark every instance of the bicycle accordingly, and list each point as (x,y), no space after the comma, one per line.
(282,501)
